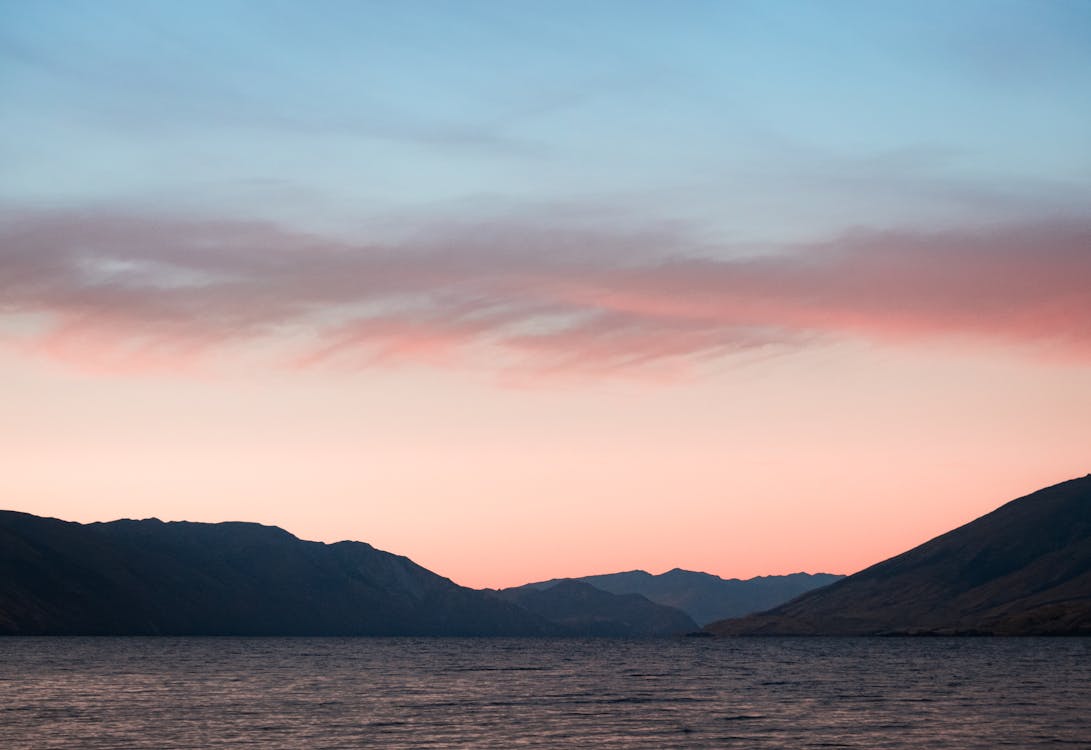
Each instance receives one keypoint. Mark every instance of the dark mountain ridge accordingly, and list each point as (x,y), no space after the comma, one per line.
(1023,569)
(153,578)
(148,577)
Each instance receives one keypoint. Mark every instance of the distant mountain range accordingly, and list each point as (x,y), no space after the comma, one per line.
(1024,569)
(703,596)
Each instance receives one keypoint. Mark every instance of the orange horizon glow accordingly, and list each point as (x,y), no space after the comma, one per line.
(747,471)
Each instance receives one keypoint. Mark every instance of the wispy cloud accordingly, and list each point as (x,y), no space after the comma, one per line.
(121,291)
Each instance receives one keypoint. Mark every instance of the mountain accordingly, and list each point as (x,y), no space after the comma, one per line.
(1024,569)
(581,608)
(706,597)
(150,577)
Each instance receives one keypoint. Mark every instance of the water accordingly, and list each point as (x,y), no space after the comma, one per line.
(165,693)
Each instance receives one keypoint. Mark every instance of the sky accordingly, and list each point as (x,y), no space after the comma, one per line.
(531,290)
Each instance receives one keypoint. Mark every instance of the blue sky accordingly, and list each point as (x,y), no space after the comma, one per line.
(747,121)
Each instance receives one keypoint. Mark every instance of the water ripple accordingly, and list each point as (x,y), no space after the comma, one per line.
(283,694)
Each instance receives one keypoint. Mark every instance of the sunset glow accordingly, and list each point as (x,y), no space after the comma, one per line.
(530,291)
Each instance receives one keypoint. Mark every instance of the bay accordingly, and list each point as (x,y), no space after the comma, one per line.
(280,693)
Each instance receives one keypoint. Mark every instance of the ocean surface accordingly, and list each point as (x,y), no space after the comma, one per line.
(191,693)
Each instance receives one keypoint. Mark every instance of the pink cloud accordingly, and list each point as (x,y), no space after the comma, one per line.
(134,292)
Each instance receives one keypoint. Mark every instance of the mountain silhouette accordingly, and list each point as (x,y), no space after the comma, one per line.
(581,608)
(706,597)
(1023,569)
(154,578)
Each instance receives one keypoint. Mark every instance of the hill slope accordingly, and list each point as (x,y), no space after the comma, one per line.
(582,608)
(706,597)
(1023,569)
(150,577)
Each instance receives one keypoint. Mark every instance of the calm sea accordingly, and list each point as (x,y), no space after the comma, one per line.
(191,693)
